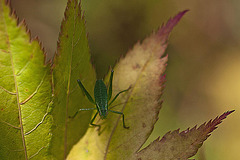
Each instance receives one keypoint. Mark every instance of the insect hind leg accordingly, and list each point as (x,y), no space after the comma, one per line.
(124,126)
(95,125)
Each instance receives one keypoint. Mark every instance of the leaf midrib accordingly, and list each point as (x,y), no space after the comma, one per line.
(16,87)
(68,88)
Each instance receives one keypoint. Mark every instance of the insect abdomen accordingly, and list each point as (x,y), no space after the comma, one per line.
(100,95)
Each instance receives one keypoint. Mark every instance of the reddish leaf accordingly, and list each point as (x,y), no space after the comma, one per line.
(183,145)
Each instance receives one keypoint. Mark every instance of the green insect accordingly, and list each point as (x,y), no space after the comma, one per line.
(102,100)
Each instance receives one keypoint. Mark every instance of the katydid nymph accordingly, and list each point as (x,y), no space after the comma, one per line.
(102,101)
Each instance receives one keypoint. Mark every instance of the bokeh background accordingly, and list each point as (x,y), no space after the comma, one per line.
(203,73)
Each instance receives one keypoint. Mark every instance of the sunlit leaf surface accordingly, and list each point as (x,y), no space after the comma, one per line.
(25,92)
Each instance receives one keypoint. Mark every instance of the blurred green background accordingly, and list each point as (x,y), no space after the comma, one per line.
(203,73)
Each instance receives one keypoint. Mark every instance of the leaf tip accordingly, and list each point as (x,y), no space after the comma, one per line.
(228,112)
(165,30)
(212,124)
(23,25)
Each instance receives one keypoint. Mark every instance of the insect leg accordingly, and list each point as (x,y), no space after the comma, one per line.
(85,91)
(110,86)
(83,109)
(93,120)
(122,117)
(118,95)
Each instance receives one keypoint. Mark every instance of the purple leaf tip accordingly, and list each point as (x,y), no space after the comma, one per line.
(166,29)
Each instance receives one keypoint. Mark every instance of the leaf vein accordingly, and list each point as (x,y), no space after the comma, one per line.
(35,92)
(12,93)
(45,115)
(37,152)
(20,72)
(10,124)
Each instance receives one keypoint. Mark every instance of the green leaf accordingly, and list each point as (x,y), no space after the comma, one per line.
(25,92)
(142,69)
(180,146)
(72,62)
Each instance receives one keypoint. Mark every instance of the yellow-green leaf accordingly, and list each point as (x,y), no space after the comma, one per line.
(72,62)
(25,92)
(142,69)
